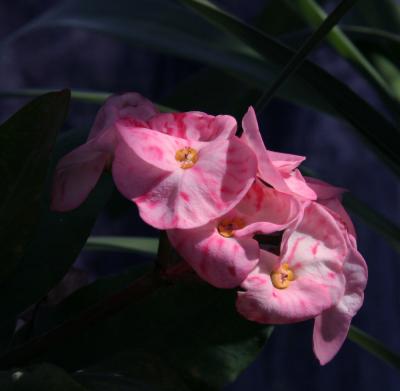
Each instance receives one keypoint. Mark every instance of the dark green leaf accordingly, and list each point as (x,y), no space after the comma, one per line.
(192,328)
(382,14)
(314,15)
(372,40)
(287,23)
(374,347)
(139,371)
(363,118)
(380,224)
(123,244)
(56,243)
(26,141)
(324,27)
(43,377)
(96,97)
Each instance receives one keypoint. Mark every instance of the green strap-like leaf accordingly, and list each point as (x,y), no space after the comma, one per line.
(375,220)
(123,243)
(96,97)
(295,62)
(315,15)
(375,347)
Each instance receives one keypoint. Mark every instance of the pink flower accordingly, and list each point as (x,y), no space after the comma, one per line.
(78,172)
(304,280)
(223,252)
(181,182)
(331,326)
(277,169)
(319,274)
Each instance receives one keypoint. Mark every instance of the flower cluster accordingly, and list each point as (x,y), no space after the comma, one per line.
(240,215)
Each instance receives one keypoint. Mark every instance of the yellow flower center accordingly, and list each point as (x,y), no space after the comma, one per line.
(187,157)
(227,227)
(282,277)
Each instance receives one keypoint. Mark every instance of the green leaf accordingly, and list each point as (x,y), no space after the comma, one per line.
(382,14)
(80,95)
(374,347)
(299,57)
(139,371)
(288,22)
(364,119)
(95,97)
(26,141)
(56,244)
(315,15)
(123,244)
(40,377)
(258,60)
(191,327)
(379,223)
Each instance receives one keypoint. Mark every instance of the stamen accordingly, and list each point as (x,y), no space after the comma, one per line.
(187,156)
(282,277)
(227,227)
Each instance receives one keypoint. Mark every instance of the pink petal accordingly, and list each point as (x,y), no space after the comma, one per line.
(223,262)
(133,176)
(76,175)
(335,206)
(332,326)
(195,196)
(297,185)
(262,302)
(316,249)
(153,147)
(252,137)
(131,105)
(266,210)
(323,189)
(195,125)
(330,332)
(285,162)
(268,172)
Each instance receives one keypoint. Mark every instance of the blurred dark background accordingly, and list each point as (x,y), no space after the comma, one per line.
(78,59)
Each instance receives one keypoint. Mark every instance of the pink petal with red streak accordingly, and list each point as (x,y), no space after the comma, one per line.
(305,298)
(131,105)
(323,189)
(283,181)
(195,125)
(133,176)
(186,198)
(266,210)
(316,249)
(285,162)
(222,262)
(153,147)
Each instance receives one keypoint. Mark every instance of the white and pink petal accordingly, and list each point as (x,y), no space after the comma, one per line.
(222,262)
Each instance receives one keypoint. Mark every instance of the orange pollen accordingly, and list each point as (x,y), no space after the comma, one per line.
(226,228)
(282,277)
(187,157)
